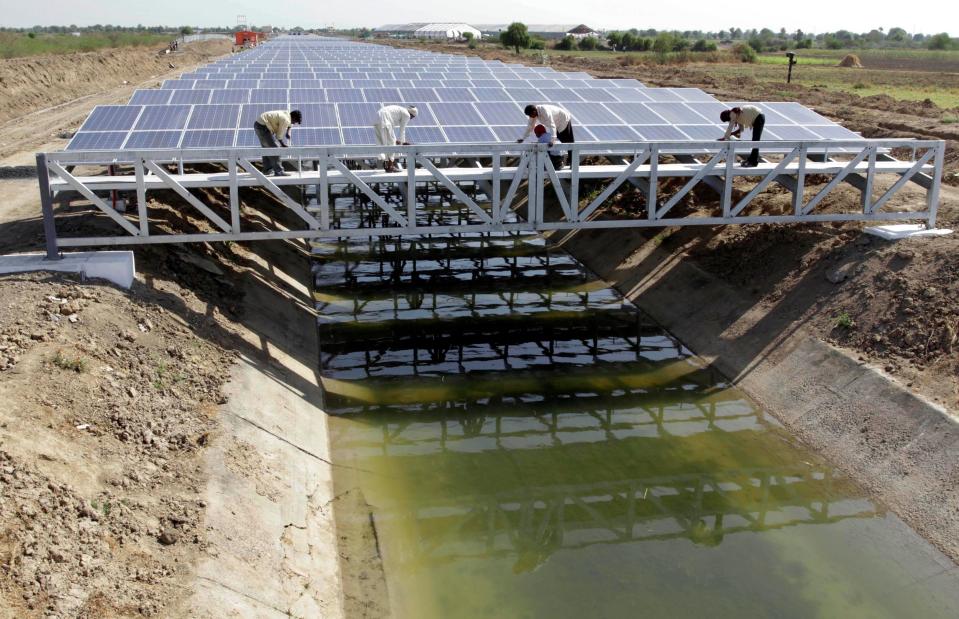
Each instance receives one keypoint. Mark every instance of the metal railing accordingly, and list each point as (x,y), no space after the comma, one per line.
(507,175)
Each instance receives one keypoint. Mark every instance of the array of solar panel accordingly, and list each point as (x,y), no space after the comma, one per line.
(339,86)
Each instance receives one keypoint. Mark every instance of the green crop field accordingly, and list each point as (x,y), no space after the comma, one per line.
(19,45)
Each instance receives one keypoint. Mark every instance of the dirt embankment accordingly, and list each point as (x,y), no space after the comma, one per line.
(36,83)
(109,399)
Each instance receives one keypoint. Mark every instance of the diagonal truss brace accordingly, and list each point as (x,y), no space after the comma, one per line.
(706,169)
(770,177)
(57,169)
(638,160)
(446,182)
(279,194)
(186,195)
(372,195)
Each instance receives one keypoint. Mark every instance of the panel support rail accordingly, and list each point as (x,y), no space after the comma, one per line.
(665,173)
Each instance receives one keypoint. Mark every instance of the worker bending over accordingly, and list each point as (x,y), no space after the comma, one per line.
(543,137)
(390,129)
(556,120)
(273,130)
(744,117)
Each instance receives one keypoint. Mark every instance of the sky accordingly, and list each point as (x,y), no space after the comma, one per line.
(807,15)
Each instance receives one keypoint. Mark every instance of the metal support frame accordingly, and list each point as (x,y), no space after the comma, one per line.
(522,169)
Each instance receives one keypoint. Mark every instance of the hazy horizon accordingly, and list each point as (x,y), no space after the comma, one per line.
(813,16)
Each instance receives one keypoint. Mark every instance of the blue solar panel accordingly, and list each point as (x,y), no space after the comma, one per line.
(419,94)
(189,97)
(592,114)
(786,132)
(299,96)
(613,133)
(312,136)
(163,117)
(111,118)
(151,97)
(218,138)
(209,84)
(153,139)
(357,114)
(319,115)
(456,114)
(273,83)
(425,135)
(455,94)
(635,113)
(246,138)
(508,134)
(250,113)
(382,95)
(660,132)
(596,94)
(344,95)
(662,94)
(834,132)
(358,135)
(229,96)
(526,95)
(560,95)
(678,113)
(469,134)
(490,94)
(97,140)
(702,132)
(214,117)
(269,95)
(500,113)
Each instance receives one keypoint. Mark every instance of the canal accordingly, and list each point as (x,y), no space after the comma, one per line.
(523,442)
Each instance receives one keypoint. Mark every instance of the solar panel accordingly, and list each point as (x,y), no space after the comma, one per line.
(508,134)
(635,113)
(163,117)
(97,140)
(677,113)
(559,95)
(153,139)
(312,136)
(229,96)
(660,132)
(499,113)
(299,96)
(150,97)
(111,118)
(614,133)
(382,95)
(786,132)
(702,132)
(269,95)
(214,117)
(345,95)
(469,134)
(425,135)
(358,135)
(419,94)
(456,114)
(593,113)
(218,138)
(455,94)
(596,94)
(357,114)
(629,94)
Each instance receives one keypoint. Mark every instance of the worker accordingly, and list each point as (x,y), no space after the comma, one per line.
(273,130)
(390,129)
(543,137)
(740,118)
(557,122)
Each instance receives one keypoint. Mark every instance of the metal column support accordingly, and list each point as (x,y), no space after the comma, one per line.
(46,203)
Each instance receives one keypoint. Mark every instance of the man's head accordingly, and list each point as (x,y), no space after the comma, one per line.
(724,116)
(530,110)
(412,110)
(539,130)
(296,117)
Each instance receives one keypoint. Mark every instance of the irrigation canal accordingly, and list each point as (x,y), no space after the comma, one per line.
(528,444)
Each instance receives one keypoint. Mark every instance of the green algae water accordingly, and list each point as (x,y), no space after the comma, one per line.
(527,444)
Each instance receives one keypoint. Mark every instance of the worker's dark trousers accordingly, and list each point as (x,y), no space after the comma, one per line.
(268,140)
(566,135)
(758,125)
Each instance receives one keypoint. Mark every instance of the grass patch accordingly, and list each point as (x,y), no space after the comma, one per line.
(20,45)
(950,120)
(801,59)
(844,321)
(77,364)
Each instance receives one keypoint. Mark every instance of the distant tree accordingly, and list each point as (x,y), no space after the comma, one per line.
(567,43)
(702,45)
(898,35)
(537,43)
(615,40)
(940,41)
(745,52)
(186,30)
(468,36)
(588,43)
(516,36)
(629,40)
(756,43)
(804,44)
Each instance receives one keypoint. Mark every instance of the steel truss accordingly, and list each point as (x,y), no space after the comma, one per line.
(507,174)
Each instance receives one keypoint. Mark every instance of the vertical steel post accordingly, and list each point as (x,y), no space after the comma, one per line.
(496,200)
(651,199)
(574,181)
(324,198)
(234,194)
(727,197)
(46,203)
(411,186)
(932,196)
(141,198)
(799,194)
(870,179)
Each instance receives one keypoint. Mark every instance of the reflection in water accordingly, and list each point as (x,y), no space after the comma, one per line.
(530,445)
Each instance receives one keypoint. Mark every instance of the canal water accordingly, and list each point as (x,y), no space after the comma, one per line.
(528,444)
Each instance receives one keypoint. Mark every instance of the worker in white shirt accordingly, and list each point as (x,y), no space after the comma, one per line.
(272,128)
(557,121)
(390,129)
(744,117)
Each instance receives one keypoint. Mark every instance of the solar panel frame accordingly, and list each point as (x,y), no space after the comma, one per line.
(112,118)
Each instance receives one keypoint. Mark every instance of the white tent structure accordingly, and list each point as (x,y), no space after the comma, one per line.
(431,31)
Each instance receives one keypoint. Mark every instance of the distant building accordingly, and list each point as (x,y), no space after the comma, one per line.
(436,30)
(582,31)
(545,31)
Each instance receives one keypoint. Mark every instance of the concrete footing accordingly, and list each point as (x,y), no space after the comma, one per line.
(894,232)
(115,266)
